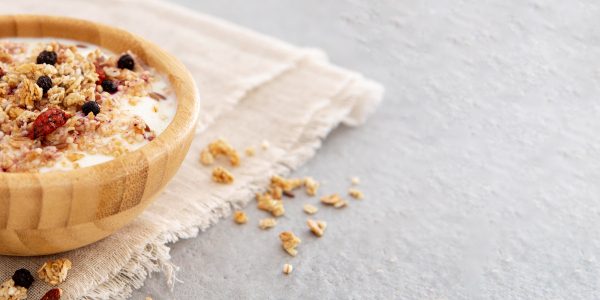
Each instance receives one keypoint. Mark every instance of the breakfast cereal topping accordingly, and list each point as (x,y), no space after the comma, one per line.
(355,193)
(126,62)
(46,57)
(250,151)
(90,107)
(333,199)
(57,97)
(286,184)
(355,180)
(45,83)
(222,147)
(206,158)
(316,227)
(310,209)
(55,271)
(287,269)
(53,294)
(240,217)
(221,175)
(9,291)
(109,86)
(311,186)
(267,203)
(23,278)
(289,242)
(267,223)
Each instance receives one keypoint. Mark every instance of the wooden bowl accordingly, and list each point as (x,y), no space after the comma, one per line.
(54,212)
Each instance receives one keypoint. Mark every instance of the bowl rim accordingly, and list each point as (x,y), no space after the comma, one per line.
(186,115)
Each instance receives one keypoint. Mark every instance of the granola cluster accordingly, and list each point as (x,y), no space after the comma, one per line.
(8,291)
(54,101)
(289,242)
(55,271)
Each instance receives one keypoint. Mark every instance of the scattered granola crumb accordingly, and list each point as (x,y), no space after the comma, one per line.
(355,193)
(206,158)
(55,271)
(148,298)
(289,242)
(311,186)
(240,217)
(222,147)
(340,204)
(287,269)
(310,209)
(250,151)
(355,180)
(221,175)
(316,227)
(267,203)
(265,145)
(267,223)
(286,184)
(9,291)
(334,200)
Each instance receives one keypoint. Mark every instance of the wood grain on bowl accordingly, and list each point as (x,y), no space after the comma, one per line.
(58,211)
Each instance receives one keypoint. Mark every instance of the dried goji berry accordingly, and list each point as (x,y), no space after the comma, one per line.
(101,74)
(47,122)
(53,294)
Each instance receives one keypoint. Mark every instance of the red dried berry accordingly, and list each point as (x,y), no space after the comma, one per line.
(53,294)
(101,74)
(47,122)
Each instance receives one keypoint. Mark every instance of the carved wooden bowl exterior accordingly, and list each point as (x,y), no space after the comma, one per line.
(59,211)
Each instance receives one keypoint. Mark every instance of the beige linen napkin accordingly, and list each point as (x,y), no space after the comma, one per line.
(253,88)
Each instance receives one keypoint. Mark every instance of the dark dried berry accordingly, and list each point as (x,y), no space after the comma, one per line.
(23,278)
(126,62)
(90,107)
(44,82)
(1,72)
(46,57)
(109,86)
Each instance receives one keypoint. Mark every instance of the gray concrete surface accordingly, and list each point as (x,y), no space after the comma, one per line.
(480,169)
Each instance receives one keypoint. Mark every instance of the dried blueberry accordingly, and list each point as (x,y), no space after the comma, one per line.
(90,107)
(44,82)
(23,278)
(126,62)
(109,86)
(46,57)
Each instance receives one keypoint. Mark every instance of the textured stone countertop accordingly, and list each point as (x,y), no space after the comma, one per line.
(481,168)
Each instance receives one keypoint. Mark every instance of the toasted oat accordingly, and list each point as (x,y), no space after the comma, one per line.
(276,192)
(267,223)
(355,180)
(157,96)
(311,186)
(55,271)
(289,242)
(335,200)
(316,227)
(310,209)
(286,184)
(250,151)
(265,145)
(340,204)
(222,175)
(74,156)
(267,203)
(206,158)
(8,291)
(222,147)
(148,298)
(355,193)
(240,217)
(287,269)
